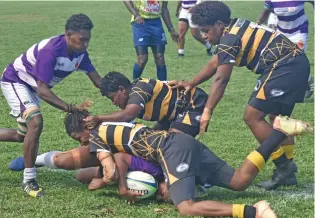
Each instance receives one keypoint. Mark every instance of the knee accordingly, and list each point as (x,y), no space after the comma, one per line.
(249,118)
(272,118)
(159,59)
(142,61)
(181,36)
(35,124)
(185,208)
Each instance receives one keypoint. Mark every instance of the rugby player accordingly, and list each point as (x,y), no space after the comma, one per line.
(148,31)
(291,22)
(183,159)
(151,100)
(283,68)
(30,78)
(184,22)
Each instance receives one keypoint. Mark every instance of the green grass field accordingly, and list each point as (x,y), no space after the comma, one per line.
(24,23)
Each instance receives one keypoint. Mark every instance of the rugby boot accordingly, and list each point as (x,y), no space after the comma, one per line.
(284,175)
(32,189)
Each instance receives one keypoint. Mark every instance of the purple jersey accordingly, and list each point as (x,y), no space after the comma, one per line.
(48,61)
(138,164)
(291,16)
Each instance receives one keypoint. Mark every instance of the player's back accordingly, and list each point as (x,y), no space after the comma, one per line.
(130,138)
(162,103)
(259,46)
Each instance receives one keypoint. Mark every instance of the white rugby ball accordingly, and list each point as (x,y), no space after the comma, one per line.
(141,182)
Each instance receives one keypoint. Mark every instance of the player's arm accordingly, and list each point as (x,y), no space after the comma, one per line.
(168,22)
(45,93)
(109,166)
(206,72)
(265,14)
(128,114)
(179,4)
(87,66)
(218,86)
(227,51)
(131,8)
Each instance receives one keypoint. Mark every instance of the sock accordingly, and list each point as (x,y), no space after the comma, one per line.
(137,71)
(288,150)
(249,212)
(161,73)
(180,51)
(208,45)
(46,159)
(269,145)
(29,174)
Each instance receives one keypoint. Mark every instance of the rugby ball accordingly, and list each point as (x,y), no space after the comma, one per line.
(141,182)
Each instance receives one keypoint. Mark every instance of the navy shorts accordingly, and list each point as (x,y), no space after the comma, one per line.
(149,33)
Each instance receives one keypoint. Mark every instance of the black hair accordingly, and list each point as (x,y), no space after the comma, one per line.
(74,121)
(79,22)
(112,81)
(208,13)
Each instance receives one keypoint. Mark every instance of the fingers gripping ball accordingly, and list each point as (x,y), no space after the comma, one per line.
(141,182)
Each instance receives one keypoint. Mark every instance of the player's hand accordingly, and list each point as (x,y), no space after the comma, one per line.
(139,19)
(204,121)
(176,14)
(181,84)
(131,196)
(174,36)
(96,183)
(91,122)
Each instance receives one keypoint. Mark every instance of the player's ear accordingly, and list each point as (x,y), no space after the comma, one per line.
(122,89)
(220,23)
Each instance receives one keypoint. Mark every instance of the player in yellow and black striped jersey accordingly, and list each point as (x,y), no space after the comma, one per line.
(283,68)
(152,100)
(184,160)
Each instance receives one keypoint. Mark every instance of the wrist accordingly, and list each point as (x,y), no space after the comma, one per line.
(208,111)
(171,29)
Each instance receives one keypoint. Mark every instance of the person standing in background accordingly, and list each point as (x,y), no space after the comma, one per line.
(148,32)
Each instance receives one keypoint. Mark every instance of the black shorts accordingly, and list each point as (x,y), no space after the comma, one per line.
(281,86)
(182,156)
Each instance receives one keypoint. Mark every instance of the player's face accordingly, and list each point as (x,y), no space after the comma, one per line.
(78,41)
(82,137)
(213,33)
(119,98)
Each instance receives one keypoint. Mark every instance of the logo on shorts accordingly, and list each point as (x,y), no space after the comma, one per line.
(197,118)
(180,115)
(140,40)
(276,92)
(163,37)
(258,84)
(182,167)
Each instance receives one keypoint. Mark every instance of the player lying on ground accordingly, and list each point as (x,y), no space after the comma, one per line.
(183,159)
(91,171)
(30,78)
(283,67)
(152,100)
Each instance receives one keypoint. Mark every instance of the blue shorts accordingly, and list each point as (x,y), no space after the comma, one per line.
(149,33)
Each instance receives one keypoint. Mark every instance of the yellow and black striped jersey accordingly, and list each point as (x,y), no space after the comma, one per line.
(159,102)
(130,138)
(246,43)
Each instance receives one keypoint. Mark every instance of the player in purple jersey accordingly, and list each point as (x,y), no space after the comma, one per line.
(30,78)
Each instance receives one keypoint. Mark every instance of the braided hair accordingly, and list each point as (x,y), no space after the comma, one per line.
(209,12)
(74,121)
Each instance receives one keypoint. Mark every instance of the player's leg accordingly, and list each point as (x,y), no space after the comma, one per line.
(157,43)
(182,29)
(25,105)
(196,34)
(142,59)
(276,93)
(141,37)
(158,53)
